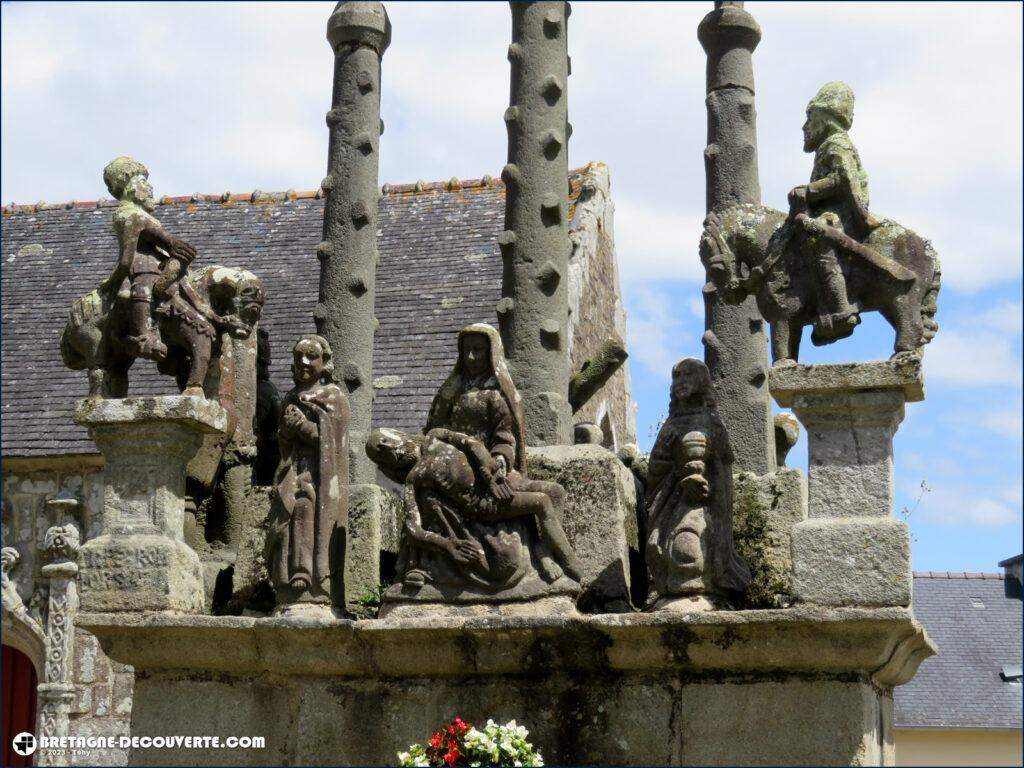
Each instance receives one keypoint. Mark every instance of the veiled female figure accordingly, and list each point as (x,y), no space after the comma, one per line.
(472,515)
(690,551)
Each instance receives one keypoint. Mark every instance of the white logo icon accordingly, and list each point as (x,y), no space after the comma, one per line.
(24,744)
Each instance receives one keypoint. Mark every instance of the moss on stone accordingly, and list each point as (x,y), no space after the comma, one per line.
(758,544)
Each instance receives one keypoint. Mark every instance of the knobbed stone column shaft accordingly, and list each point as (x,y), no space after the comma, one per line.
(359,33)
(735,345)
(534,311)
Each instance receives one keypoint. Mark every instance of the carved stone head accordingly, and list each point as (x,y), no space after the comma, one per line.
(128,181)
(829,111)
(691,385)
(312,361)
(394,452)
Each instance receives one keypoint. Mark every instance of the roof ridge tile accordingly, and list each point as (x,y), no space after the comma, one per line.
(958,575)
(454,184)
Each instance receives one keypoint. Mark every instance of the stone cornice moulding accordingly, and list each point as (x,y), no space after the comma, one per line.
(886,644)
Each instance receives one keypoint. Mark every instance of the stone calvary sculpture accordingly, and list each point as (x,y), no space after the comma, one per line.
(153,305)
(689,548)
(829,259)
(477,529)
(305,547)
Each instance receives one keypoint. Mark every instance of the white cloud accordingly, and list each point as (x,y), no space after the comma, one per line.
(972,359)
(655,329)
(656,245)
(948,505)
(1006,317)
(1013,494)
(1006,423)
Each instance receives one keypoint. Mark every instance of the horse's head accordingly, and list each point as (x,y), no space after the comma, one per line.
(235,294)
(719,260)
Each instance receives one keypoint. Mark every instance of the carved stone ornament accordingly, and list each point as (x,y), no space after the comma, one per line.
(57,690)
(305,548)
(152,305)
(477,529)
(829,258)
(690,553)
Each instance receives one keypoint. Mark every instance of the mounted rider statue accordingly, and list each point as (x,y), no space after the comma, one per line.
(828,259)
(152,305)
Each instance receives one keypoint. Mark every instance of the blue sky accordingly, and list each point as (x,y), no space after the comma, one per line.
(231,97)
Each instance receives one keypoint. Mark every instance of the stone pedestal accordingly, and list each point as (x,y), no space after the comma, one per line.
(806,685)
(850,551)
(599,519)
(140,561)
(366,512)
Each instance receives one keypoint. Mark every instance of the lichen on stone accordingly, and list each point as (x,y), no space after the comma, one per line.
(757,543)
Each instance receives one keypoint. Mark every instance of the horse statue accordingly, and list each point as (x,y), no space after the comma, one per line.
(894,271)
(199,306)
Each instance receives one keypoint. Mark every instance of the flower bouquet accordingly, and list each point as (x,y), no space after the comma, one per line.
(461,744)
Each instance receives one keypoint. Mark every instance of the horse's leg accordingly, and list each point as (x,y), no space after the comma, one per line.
(796,332)
(201,350)
(118,381)
(98,386)
(780,330)
(905,316)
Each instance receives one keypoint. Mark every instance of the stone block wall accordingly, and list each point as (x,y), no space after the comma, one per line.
(103,688)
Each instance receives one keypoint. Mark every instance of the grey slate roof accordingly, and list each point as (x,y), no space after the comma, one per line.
(975,619)
(439,270)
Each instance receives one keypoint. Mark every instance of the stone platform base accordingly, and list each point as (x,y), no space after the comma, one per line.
(554,605)
(599,520)
(690,604)
(140,573)
(800,686)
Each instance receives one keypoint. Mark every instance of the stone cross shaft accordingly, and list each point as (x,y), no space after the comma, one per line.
(533,313)
(735,345)
(359,33)
(140,560)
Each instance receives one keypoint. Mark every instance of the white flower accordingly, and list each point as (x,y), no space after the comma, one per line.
(403,758)
(421,761)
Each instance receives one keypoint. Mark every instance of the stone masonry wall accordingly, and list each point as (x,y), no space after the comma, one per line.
(103,695)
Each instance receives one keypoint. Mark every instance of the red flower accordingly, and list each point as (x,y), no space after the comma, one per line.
(452,755)
(435,740)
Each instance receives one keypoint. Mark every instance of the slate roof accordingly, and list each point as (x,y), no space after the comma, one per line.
(975,619)
(439,270)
